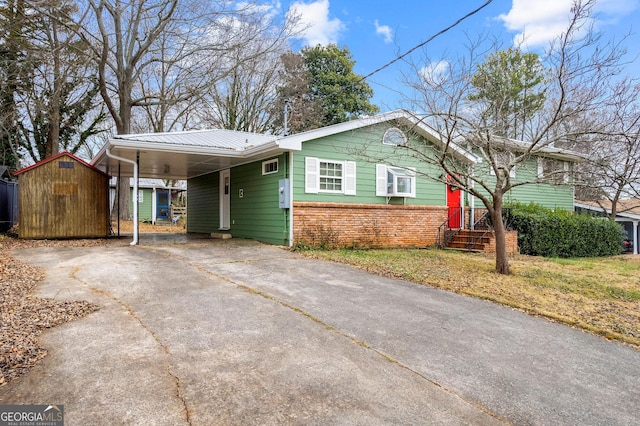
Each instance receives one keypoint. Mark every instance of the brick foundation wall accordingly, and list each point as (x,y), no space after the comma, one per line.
(511,238)
(366,225)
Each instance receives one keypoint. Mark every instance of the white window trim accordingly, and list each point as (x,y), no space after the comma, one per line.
(512,172)
(565,170)
(312,176)
(264,163)
(382,182)
(394,129)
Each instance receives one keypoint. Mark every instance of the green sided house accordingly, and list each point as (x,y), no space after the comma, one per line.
(344,184)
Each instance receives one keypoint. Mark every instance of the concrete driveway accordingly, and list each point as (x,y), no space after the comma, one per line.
(236,332)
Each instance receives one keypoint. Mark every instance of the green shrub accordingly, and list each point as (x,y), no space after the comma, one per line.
(550,233)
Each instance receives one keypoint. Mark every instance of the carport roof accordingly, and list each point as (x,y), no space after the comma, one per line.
(183,155)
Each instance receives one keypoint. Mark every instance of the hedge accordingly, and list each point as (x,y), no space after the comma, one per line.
(550,233)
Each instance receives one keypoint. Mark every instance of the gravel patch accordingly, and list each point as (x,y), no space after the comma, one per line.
(24,316)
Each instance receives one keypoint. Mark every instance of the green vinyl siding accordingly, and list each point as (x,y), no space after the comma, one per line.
(257,214)
(345,147)
(203,201)
(550,196)
(145,207)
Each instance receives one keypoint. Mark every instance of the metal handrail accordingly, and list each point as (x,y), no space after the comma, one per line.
(472,239)
(444,238)
(482,218)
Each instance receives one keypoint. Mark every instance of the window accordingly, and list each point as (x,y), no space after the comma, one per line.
(504,159)
(553,171)
(140,196)
(270,166)
(394,136)
(330,176)
(65,165)
(395,181)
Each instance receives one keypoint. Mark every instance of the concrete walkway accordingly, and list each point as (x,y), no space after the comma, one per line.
(235,332)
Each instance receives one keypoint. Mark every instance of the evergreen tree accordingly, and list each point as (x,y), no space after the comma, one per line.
(323,89)
(509,83)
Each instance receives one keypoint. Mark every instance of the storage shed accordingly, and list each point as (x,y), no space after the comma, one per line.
(63,197)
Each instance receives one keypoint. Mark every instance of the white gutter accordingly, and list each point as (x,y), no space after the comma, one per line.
(135,193)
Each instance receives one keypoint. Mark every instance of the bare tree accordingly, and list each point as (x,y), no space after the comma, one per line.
(580,70)
(241,97)
(61,92)
(304,111)
(242,100)
(14,71)
(159,54)
(612,172)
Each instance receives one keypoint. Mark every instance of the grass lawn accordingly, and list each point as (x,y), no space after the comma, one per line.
(601,295)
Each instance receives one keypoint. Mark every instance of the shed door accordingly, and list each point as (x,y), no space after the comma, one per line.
(162,204)
(225,200)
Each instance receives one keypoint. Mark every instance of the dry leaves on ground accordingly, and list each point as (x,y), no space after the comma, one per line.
(24,316)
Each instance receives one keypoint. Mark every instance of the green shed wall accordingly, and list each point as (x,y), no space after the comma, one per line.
(145,207)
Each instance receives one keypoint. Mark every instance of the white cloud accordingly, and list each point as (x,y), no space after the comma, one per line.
(384,31)
(537,22)
(314,22)
(435,73)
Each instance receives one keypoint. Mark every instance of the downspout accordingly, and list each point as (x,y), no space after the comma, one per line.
(290,172)
(135,193)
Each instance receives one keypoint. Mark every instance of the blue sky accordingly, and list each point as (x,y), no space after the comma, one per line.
(377,31)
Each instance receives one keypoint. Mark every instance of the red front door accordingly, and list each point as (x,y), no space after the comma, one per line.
(454,203)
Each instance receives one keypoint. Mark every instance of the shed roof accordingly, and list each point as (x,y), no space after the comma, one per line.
(179,185)
(55,157)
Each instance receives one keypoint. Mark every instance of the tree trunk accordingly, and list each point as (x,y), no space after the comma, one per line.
(53,135)
(123,188)
(123,184)
(502,257)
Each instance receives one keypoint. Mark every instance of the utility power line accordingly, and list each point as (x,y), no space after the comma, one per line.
(413,49)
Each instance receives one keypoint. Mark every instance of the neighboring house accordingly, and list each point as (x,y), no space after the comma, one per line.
(627,214)
(154,198)
(314,187)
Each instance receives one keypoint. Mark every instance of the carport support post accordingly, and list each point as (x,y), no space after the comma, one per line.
(118,198)
(635,237)
(135,192)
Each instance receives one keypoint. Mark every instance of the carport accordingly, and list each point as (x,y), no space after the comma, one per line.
(627,215)
(184,155)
